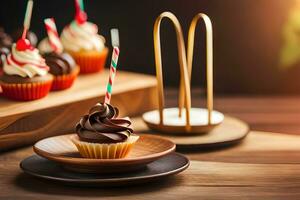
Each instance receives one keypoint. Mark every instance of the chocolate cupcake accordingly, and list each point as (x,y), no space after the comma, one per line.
(62,66)
(101,134)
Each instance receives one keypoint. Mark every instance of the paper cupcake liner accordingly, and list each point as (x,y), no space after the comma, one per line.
(65,81)
(104,151)
(90,62)
(26,91)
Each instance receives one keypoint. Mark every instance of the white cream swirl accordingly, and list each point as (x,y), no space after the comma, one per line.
(76,37)
(28,63)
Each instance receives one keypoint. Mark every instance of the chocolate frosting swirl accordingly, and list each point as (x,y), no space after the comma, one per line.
(59,63)
(101,125)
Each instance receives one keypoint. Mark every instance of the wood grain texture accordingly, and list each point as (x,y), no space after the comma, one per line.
(85,87)
(258,147)
(212,179)
(264,166)
(23,123)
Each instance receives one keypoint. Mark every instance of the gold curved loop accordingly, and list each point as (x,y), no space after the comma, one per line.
(209,60)
(182,62)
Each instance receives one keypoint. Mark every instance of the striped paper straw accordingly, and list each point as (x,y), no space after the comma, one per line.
(53,35)
(78,7)
(112,74)
(80,15)
(81,4)
(27,18)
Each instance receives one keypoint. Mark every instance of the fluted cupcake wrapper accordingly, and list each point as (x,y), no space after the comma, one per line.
(104,151)
(64,81)
(26,91)
(90,62)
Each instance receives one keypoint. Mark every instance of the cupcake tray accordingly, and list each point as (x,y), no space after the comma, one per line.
(23,123)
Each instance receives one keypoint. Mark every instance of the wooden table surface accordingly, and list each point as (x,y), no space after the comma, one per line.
(264,166)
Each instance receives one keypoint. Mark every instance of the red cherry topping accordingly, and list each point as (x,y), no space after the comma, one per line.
(24,44)
(81,17)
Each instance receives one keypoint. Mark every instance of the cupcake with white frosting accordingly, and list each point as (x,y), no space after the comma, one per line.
(81,39)
(25,74)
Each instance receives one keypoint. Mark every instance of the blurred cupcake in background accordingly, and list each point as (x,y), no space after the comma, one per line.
(81,39)
(5,46)
(62,66)
(25,74)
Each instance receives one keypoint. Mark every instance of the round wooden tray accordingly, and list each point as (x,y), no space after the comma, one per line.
(230,131)
(173,124)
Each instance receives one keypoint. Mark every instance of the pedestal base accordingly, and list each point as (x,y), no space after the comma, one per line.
(229,132)
(175,125)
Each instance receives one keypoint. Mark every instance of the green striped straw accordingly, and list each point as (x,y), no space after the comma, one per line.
(113,65)
(81,4)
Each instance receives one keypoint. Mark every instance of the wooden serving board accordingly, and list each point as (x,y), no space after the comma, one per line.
(23,123)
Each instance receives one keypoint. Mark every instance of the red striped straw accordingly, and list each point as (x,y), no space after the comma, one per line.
(27,18)
(112,74)
(114,61)
(53,36)
(80,15)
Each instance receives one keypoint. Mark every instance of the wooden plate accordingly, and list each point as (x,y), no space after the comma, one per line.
(229,132)
(168,165)
(175,125)
(61,150)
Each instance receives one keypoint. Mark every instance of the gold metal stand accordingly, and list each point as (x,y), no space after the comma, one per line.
(193,120)
(182,63)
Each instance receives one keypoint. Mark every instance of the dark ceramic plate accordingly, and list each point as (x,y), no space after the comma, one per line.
(46,169)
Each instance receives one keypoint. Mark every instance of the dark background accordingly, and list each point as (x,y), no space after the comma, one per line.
(247,37)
